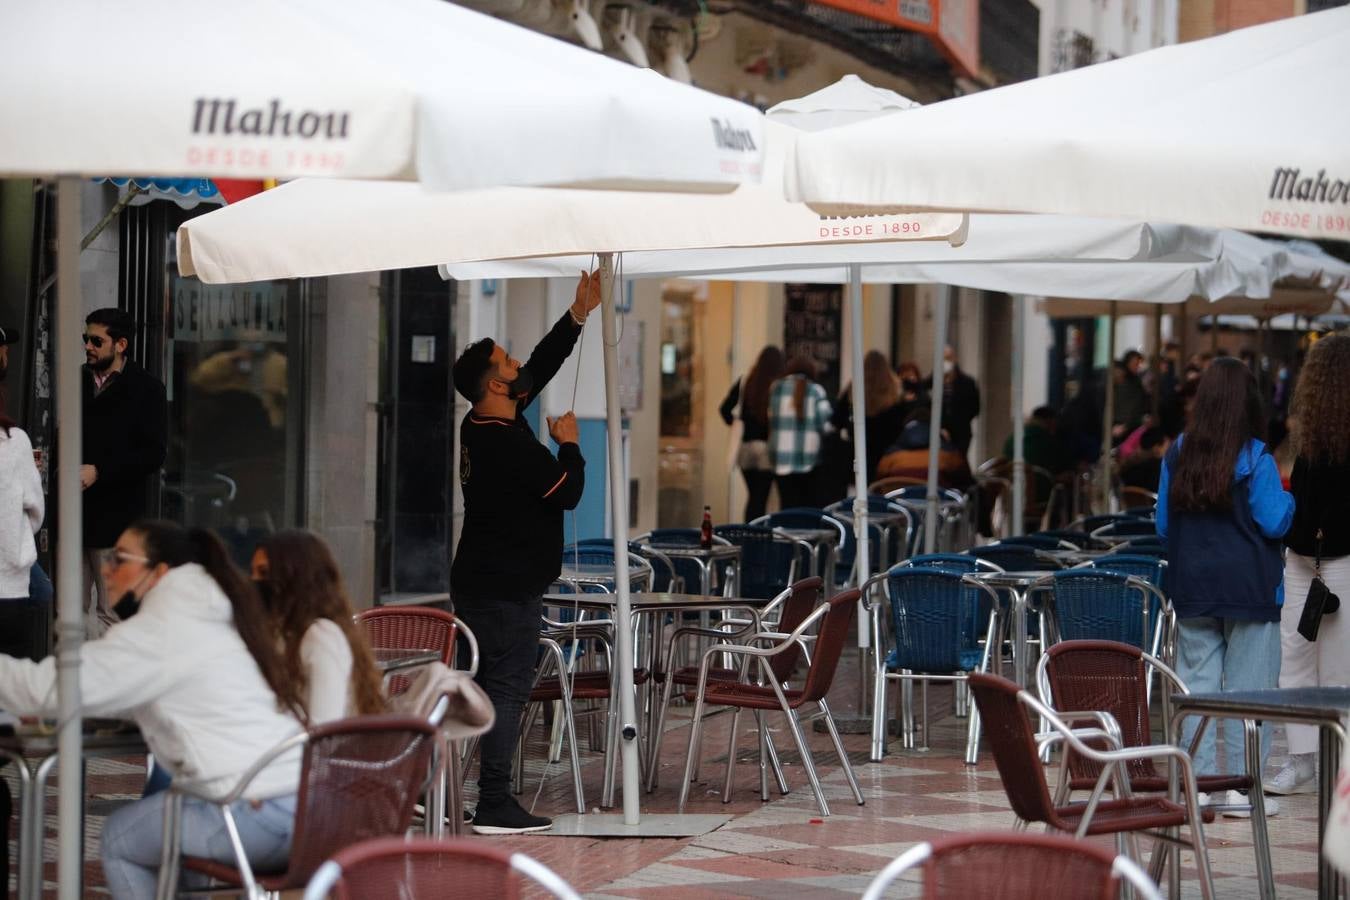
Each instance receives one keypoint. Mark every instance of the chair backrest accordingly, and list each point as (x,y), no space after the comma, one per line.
(1140,565)
(892,483)
(831,637)
(429,867)
(1127,528)
(359,779)
(1034,541)
(1102,676)
(1012,558)
(1015,866)
(803,599)
(937,619)
(1102,604)
(411,628)
(811,517)
(1012,740)
(765,566)
(1080,539)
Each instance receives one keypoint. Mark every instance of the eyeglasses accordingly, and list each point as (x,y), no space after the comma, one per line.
(121,557)
(94,340)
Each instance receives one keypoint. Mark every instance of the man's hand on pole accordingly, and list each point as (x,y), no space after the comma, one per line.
(563,429)
(588,296)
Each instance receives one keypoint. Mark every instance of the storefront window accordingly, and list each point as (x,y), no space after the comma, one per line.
(235,433)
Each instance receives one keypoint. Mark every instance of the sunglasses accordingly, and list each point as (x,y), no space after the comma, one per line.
(94,340)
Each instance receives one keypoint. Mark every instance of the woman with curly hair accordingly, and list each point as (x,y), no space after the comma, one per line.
(324,653)
(1222,512)
(1319,540)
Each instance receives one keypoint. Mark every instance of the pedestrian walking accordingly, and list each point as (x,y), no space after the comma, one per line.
(125,422)
(799,417)
(960,401)
(1319,545)
(1222,512)
(751,394)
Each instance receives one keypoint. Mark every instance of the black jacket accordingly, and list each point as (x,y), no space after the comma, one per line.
(515,492)
(960,406)
(1321,496)
(125,429)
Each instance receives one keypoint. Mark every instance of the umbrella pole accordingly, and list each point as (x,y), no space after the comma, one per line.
(930,516)
(69,543)
(1019,472)
(1109,404)
(618,517)
(861,545)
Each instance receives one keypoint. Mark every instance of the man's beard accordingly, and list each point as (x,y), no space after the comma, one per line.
(102,364)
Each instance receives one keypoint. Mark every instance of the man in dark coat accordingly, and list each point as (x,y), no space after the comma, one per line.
(960,401)
(125,422)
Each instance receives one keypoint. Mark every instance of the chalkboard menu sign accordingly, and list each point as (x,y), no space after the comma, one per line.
(814,327)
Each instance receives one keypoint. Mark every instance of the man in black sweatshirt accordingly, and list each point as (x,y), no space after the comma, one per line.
(510,548)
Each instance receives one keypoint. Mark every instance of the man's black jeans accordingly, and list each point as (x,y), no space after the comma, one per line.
(507,628)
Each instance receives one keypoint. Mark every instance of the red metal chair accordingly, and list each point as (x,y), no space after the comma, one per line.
(423,869)
(359,778)
(1111,677)
(411,628)
(1015,866)
(792,606)
(1006,710)
(835,618)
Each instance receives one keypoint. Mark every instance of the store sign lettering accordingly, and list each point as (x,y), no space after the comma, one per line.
(1288,185)
(229,312)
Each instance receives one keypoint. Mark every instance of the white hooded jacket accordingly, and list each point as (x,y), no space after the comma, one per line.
(20,512)
(182,672)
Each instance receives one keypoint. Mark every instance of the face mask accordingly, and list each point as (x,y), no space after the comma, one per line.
(523,386)
(911,385)
(130,604)
(948,366)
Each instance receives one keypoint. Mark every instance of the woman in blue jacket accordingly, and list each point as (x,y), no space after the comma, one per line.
(1222,512)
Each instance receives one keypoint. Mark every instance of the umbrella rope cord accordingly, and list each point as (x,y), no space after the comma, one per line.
(571,673)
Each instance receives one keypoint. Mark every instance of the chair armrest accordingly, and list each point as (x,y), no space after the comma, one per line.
(237,792)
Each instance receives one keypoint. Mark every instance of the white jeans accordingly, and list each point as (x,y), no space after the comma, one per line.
(1325,661)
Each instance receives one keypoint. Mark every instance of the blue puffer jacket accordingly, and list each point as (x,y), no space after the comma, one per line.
(1229,565)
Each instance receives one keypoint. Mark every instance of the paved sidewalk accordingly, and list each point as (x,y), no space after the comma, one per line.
(784,848)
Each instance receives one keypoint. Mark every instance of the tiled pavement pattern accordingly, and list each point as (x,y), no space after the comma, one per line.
(782,848)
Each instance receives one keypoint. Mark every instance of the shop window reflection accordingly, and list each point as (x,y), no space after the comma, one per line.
(230,409)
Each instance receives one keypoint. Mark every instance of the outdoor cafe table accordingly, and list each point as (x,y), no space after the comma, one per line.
(598,574)
(1326,707)
(1017,584)
(827,538)
(34,753)
(389,659)
(653,606)
(704,557)
(888,522)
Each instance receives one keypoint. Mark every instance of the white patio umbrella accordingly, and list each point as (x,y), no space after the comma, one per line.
(419,89)
(1166,134)
(401,89)
(313,229)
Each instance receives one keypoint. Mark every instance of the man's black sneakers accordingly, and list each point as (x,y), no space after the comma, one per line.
(507,818)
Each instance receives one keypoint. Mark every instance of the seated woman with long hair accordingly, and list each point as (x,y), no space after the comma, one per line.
(324,654)
(194,663)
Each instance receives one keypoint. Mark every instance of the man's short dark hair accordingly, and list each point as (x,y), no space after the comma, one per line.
(1044,413)
(1129,357)
(472,368)
(120,325)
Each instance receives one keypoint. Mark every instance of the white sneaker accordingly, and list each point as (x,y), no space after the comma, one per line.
(1297,777)
(1204,798)
(1237,798)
